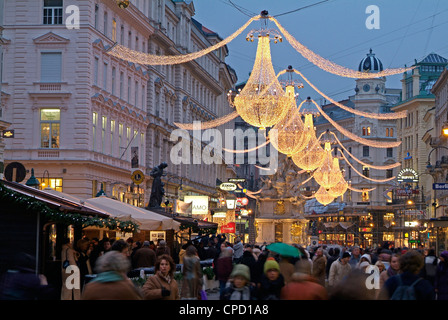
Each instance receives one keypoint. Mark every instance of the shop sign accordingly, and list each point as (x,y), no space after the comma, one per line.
(237,180)
(407,175)
(227,186)
(228,228)
(199,204)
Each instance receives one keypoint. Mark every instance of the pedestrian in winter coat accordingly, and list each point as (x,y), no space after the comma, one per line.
(286,268)
(22,283)
(249,260)
(238,249)
(224,267)
(162,286)
(339,269)
(430,268)
(145,257)
(162,248)
(319,263)
(68,253)
(392,270)
(258,270)
(332,259)
(239,287)
(303,286)
(272,281)
(111,282)
(441,280)
(355,257)
(411,264)
(192,274)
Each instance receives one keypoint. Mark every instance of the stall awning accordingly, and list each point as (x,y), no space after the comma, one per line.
(147,220)
(54,200)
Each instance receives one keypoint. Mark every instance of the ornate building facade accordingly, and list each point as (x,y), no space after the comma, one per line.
(85,120)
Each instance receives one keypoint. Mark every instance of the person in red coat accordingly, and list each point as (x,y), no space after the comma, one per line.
(224,267)
(303,286)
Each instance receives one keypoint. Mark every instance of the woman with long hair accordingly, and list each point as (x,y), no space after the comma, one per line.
(162,286)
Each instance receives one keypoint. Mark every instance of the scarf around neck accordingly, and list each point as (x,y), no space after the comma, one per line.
(167,278)
(240,293)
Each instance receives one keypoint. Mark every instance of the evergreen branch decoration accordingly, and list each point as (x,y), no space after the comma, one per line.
(30,205)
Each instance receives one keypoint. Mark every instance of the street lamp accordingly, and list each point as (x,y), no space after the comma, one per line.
(43,179)
(32,181)
(445,130)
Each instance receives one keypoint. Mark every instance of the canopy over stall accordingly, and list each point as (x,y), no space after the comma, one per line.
(147,220)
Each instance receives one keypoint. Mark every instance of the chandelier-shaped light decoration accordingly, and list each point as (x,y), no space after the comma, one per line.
(262,102)
(341,187)
(313,155)
(329,173)
(323,196)
(289,135)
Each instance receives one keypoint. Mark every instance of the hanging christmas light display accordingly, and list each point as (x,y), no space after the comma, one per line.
(262,102)
(289,136)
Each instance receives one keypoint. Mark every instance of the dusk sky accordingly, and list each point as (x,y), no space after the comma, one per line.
(336,30)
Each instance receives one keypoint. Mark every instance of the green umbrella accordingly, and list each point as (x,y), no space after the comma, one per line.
(284,249)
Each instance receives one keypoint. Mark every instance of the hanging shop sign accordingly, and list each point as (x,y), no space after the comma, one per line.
(199,204)
(407,175)
(227,186)
(137,177)
(228,228)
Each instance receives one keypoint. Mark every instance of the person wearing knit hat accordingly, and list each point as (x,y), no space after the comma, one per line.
(271,264)
(271,282)
(239,287)
(241,270)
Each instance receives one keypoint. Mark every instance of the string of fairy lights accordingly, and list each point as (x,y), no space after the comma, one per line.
(264,103)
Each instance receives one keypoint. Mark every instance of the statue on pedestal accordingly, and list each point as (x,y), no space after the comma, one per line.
(157,190)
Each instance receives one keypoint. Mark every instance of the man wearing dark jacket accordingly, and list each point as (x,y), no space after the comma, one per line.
(145,257)
(410,265)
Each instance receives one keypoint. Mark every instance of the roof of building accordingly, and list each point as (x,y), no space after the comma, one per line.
(434,58)
(370,63)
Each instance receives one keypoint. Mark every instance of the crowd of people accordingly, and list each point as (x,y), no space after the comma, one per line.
(248,272)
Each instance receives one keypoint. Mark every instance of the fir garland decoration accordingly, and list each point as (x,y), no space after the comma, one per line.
(30,205)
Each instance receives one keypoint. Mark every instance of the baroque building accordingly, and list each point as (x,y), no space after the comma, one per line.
(360,217)
(85,120)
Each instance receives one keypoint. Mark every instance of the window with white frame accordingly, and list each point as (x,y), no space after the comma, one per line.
(94,124)
(142,147)
(121,84)
(114,30)
(103,133)
(129,90)
(113,80)
(53,12)
(50,123)
(136,94)
(105,76)
(50,66)
(95,71)
(105,23)
(97,8)
(112,135)
(120,137)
